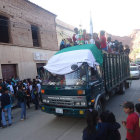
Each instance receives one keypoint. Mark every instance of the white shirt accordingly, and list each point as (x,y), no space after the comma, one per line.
(39,88)
(11,88)
(109,44)
(92,41)
(30,88)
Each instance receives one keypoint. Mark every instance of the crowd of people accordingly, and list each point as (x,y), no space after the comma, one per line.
(105,126)
(18,93)
(81,37)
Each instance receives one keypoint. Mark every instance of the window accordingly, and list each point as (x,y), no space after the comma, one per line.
(93,75)
(39,68)
(4,34)
(35,35)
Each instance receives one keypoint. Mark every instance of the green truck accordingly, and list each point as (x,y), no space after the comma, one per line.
(82,77)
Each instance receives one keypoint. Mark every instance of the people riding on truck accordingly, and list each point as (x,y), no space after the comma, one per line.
(81,77)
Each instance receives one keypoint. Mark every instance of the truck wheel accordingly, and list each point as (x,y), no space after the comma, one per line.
(122,88)
(99,107)
(127,85)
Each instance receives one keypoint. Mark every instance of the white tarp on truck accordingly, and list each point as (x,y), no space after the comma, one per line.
(62,61)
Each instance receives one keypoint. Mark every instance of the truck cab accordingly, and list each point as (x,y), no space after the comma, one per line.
(73,93)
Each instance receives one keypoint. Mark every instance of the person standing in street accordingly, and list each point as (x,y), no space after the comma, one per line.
(21,95)
(28,97)
(108,126)
(6,107)
(35,96)
(10,86)
(39,89)
(91,132)
(132,123)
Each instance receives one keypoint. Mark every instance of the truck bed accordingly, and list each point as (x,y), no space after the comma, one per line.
(116,69)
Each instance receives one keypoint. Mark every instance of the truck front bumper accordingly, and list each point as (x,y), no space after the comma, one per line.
(75,112)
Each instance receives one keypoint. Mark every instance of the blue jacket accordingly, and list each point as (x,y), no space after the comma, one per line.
(105,131)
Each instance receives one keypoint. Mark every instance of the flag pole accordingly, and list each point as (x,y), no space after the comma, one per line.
(91,25)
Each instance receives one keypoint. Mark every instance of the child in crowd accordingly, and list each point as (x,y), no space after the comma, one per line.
(90,132)
(105,129)
(108,126)
(132,123)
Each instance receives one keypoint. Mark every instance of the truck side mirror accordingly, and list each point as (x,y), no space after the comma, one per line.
(74,67)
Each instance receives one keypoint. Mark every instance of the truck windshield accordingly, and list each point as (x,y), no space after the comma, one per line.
(76,78)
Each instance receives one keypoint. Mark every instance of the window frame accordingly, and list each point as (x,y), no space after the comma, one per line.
(9,29)
(38,35)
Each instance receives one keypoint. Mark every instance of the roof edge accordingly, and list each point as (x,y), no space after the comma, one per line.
(40,7)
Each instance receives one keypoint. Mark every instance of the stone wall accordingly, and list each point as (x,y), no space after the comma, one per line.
(22,14)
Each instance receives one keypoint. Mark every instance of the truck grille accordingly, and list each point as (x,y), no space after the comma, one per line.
(61,102)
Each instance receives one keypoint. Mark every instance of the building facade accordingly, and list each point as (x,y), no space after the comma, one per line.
(28,38)
(64,30)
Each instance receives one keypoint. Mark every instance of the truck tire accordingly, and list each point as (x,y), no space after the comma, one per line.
(127,85)
(122,88)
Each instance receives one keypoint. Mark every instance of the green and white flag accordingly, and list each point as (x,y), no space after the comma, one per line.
(62,61)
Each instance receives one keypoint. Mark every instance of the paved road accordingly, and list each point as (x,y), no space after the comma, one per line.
(42,126)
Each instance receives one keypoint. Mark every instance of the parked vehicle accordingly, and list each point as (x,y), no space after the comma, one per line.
(135,72)
(82,77)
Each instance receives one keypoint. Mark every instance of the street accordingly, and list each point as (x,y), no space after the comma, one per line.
(42,126)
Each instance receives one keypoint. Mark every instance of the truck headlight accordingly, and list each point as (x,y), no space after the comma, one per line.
(83,104)
(45,101)
(77,103)
(48,101)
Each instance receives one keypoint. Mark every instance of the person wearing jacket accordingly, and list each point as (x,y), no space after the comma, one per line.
(108,126)
(21,95)
(91,132)
(35,97)
(6,107)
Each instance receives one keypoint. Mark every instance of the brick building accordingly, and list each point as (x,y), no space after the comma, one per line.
(27,38)
(64,30)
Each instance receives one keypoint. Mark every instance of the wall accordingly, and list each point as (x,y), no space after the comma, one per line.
(24,57)
(64,30)
(22,14)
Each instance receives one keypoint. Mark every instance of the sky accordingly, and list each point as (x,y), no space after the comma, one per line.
(117,17)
